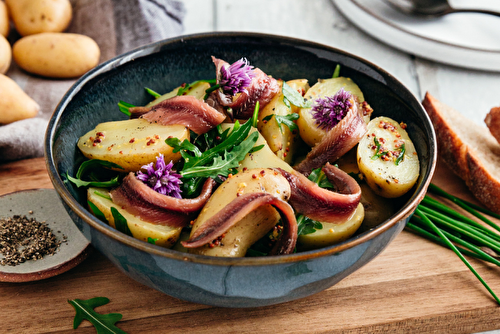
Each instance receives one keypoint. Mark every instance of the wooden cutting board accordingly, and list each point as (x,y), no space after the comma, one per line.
(414,286)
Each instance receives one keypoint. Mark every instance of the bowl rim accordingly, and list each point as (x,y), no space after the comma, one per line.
(155,47)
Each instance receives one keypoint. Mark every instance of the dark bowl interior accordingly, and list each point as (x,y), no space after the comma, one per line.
(165,65)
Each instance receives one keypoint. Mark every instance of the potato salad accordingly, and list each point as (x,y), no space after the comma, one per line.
(247,165)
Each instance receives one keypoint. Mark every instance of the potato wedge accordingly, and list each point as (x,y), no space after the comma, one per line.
(332,234)
(387,158)
(256,224)
(165,236)
(197,90)
(281,140)
(308,129)
(131,143)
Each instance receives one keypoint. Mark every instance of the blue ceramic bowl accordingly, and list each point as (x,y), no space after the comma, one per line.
(228,282)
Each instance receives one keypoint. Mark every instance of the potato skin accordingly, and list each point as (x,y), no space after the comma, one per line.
(132,143)
(38,16)
(5,55)
(56,55)
(4,20)
(15,104)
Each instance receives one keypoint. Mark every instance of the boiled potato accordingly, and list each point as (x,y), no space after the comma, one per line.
(4,20)
(388,175)
(282,141)
(253,226)
(308,129)
(15,104)
(56,55)
(38,16)
(263,158)
(5,55)
(166,236)
(132,143)
(332,234)
(197,90)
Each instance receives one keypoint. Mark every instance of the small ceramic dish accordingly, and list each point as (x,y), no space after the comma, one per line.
(228,282)
(44,205)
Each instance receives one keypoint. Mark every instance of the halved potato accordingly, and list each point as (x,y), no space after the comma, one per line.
(393,173)
(165,236)
(282,141)
(256,224)
(132,143)
(197,90)
(309,130)
(332,234)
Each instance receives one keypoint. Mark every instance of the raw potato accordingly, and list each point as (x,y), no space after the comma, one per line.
(4,20)
(385,177)
(126,142)
(166,235)
(282,142)
(263,158)
(253,226)
(15,104)
(332,234)
(197,90)
(5,55)
(56,55)
(38,16)
(309,131)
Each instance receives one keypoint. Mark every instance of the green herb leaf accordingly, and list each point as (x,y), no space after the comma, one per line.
(336,73)
(306,225)
(98,213)
(182,147)
(256,148)
(287,120)
(378,145)
(187,87)
(152,241)
(124,107)
(295,97)
(152,92)
(401,155)
(105,184)
(103,323)
(102,195)
(120,222)
(94,163)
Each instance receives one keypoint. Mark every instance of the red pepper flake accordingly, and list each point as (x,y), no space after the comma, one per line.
(151,141)
(285,154)
(403,125)
(396,180)
(99,134)
(131,140)
(157,137)
(287,149)
(211,245)
(230,176)
(262,172)
(264,121)
(121,152)
(191,222)
(217,138)
(245,169)
(254,176)
(91,138)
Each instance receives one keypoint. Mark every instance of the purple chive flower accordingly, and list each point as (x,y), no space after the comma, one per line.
(236,77)
(329,111)
(163,180)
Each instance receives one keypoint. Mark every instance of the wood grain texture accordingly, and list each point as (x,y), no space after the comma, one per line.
(414,286)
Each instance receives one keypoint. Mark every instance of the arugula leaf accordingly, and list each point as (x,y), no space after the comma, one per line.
(256,148)
(294,97)
(93,163)
(401,155)
(124,107)
(120,222)
(319,177)
(102,195)
(103,323)
(185,89)
(98,213)
(105,184)
(287,120)
(183,147)
(152,92)
(191,187)
(152,240)
(336,73)
(221,165)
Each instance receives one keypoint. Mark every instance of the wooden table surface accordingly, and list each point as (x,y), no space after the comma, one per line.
(414,286)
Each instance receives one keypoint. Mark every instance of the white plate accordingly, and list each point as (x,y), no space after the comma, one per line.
(468,40)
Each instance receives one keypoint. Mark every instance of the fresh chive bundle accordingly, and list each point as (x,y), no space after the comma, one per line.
(449,228)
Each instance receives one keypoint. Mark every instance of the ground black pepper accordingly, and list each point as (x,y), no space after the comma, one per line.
(23,239)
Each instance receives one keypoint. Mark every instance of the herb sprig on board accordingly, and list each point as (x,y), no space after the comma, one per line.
(449,228)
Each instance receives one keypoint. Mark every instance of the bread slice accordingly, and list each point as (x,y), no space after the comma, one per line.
(469,150)
(492,120)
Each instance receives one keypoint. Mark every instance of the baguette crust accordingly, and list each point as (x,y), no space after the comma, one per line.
(476,167)
(492,120)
